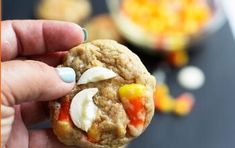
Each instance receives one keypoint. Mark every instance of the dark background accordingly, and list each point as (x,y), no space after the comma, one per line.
(212,122)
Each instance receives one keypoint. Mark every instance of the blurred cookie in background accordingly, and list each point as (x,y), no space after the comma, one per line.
(66,10)
(103,27)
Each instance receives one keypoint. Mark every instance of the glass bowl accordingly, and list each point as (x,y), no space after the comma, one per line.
(135,33)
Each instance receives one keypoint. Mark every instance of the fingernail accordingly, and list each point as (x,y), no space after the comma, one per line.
(85,34)
(67,74)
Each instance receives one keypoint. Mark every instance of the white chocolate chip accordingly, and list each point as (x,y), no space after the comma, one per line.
(82,109)
(191,78)
(95,74)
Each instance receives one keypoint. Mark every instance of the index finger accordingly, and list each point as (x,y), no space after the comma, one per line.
(36,37)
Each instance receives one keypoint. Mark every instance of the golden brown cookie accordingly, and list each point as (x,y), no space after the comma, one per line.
(112,102)
(103,27)
(66,10)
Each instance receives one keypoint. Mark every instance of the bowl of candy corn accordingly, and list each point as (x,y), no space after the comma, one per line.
(166,25)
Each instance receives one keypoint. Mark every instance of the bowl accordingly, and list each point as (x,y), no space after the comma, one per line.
(135,32)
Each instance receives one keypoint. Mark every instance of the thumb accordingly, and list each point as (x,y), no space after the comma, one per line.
(29,80)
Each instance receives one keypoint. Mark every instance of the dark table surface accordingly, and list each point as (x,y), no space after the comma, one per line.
(212,122)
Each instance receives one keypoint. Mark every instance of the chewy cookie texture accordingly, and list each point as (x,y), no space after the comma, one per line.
(112,101)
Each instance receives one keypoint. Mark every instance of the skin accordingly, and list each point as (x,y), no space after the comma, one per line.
(30,49)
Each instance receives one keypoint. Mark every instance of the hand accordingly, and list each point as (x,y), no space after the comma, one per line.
(28,48)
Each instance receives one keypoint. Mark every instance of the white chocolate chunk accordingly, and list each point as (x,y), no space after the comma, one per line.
(82,109)
(191,78)
(95,74)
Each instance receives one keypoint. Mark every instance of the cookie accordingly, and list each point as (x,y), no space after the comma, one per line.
(112,101)
(66,10)
(103,27)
